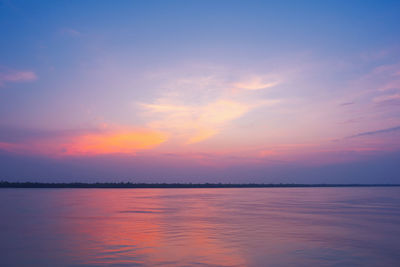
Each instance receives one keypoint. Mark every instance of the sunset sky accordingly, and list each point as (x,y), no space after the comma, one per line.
(200,91)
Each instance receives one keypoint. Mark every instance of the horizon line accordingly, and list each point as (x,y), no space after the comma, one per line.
(7,184)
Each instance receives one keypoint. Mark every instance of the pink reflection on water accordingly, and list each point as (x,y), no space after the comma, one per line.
(148,227)
(206,227)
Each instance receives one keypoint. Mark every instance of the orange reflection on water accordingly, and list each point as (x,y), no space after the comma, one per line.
(152,230)
(201,227)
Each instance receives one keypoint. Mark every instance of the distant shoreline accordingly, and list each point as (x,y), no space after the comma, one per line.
(5,184)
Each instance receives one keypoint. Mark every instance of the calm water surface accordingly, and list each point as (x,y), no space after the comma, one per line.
(200,227)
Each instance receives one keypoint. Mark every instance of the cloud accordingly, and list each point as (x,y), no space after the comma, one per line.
(257,83)
(195,123)
(119,142)
(383,131)
(387,101)
(195,104)
(387,98)
(346,104)
(81,143)
(387,75)
(10,76)
(390,85)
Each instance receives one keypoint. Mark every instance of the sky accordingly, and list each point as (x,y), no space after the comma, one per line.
(200,91)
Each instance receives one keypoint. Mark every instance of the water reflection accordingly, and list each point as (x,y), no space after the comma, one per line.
(200,227)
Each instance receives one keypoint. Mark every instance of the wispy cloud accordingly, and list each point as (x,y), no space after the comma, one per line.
(12,76)
(387,99)
(257,83)
(346,104)
(195,123)
(382,131)
(390,85)
(388,76)
(197,104)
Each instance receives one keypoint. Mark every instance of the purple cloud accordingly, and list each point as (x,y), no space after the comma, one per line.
(10,76)
(382,131)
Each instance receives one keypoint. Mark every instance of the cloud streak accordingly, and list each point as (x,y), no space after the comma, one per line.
(257,83)
(16,76)
(371,133)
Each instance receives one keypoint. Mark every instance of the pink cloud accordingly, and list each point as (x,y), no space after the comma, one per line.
(17,76)
(385,98)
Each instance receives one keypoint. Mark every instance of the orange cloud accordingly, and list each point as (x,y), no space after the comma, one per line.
(111,142)
(201,135)
(195,123)
(121,142)
(257,83)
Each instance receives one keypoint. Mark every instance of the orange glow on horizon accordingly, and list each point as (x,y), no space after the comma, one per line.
(122,142)
(112,142)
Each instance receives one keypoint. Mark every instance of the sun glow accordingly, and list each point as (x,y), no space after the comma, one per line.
(114,143)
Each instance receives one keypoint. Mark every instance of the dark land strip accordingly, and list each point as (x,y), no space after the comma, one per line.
(5,184)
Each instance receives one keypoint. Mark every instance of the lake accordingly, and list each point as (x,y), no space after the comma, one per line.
(200,227)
